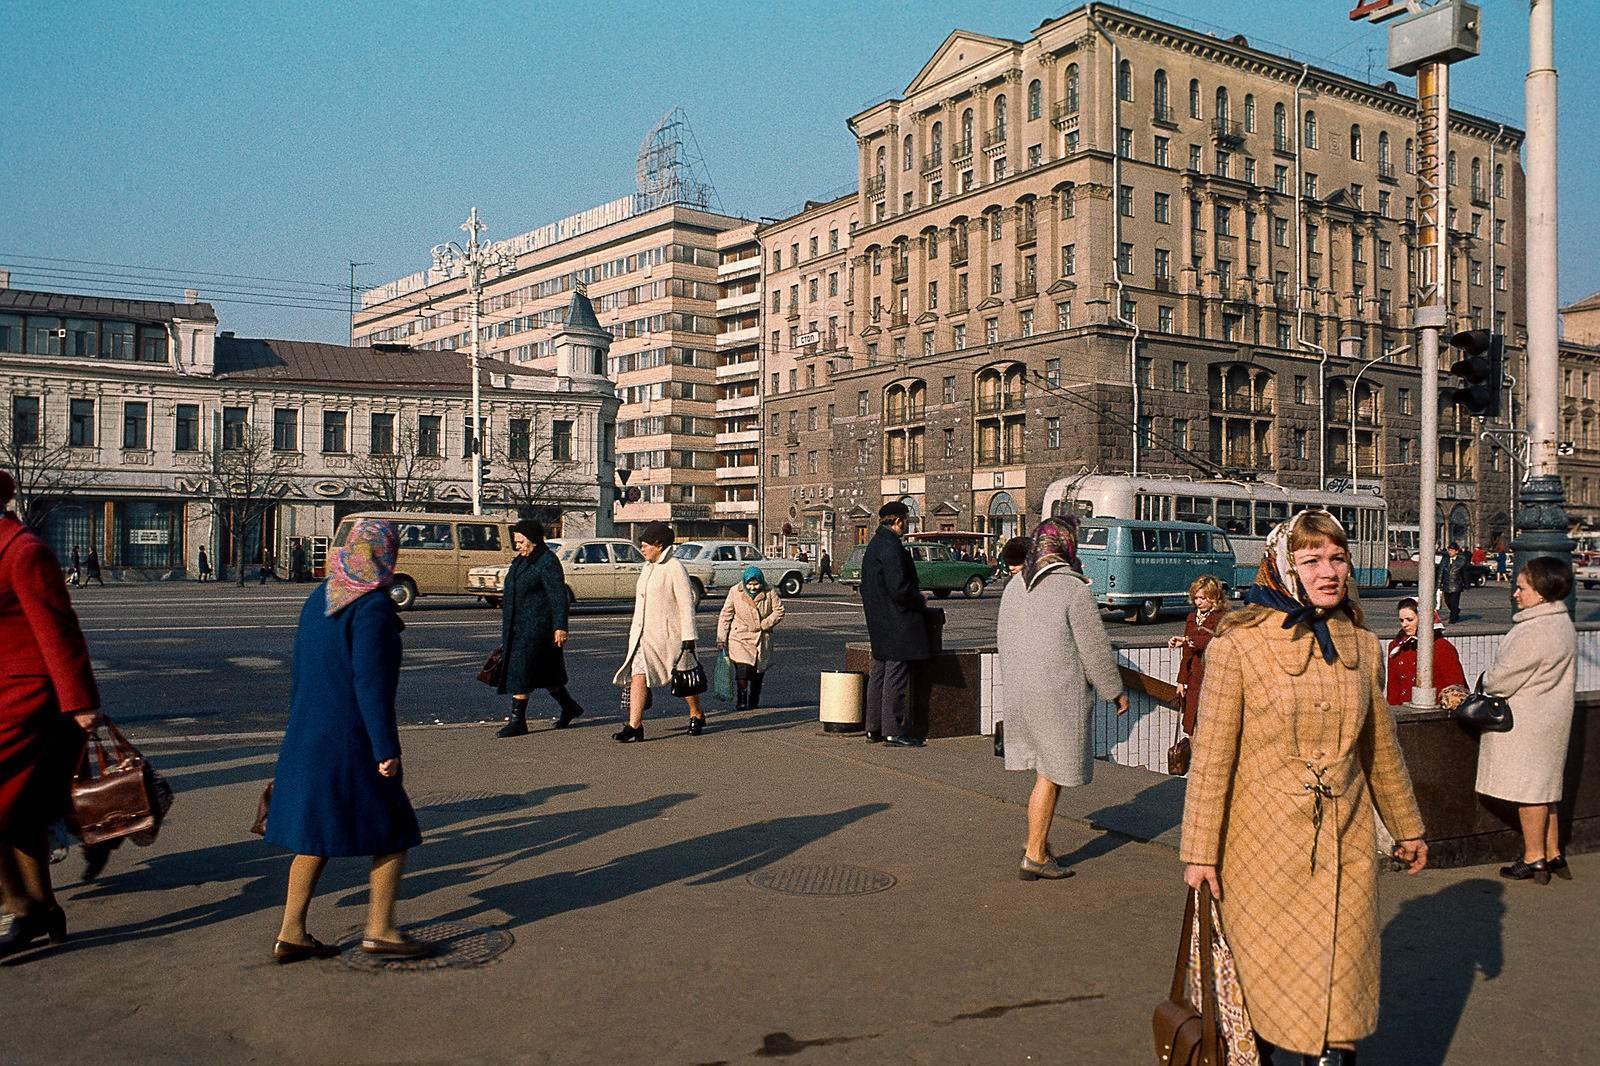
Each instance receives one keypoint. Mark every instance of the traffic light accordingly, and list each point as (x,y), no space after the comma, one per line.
(484,469)
(1481,369)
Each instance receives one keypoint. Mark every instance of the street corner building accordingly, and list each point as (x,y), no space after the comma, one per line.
(1124,246)
(138,429)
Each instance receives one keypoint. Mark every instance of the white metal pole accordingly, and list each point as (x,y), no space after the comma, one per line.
(1543,344)
(475,281)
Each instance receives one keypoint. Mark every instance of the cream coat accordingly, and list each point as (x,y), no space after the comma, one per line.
(663,618)
(1277,720)
(746,625)
(1536,669)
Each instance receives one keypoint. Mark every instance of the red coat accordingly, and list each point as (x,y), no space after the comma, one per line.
(1403,668)
(44,676)
(1192,666)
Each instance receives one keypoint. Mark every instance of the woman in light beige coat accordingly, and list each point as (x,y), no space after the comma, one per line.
(662,633)
(1536,670)
(1294,748)
(744,629)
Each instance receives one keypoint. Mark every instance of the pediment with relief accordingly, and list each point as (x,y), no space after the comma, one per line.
(1062,285)
(991,303)
(960,51)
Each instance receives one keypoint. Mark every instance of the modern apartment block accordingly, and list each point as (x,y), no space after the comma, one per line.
(736,504)
(654,273)
(1120,244)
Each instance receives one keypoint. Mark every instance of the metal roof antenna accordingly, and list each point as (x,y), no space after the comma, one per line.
(668,172)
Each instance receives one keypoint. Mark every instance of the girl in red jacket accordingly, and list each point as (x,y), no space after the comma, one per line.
(1448,679)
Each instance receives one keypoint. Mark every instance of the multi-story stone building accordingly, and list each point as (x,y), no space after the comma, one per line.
(135,427)
(1580,410)
(1123,245)
(653,272)
(736,504)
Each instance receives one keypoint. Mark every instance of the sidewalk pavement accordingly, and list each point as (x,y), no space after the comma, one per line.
(622,873)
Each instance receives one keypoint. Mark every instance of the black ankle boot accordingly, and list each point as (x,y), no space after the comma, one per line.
(517,722)
(628,734)
(569,708)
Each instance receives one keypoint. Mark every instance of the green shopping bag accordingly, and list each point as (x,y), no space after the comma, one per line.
(722,685)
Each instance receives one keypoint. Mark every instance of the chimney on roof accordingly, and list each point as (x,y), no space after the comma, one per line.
(191,296)
(5,279)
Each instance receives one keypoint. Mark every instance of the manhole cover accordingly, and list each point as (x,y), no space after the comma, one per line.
(455,944)
(823,879)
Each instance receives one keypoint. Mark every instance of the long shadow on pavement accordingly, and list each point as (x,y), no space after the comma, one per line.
(1145,817)
(1433,951)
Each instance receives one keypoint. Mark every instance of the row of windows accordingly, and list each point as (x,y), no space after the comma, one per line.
(83,338)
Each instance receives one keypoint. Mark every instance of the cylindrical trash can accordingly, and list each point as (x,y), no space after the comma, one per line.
(840,703)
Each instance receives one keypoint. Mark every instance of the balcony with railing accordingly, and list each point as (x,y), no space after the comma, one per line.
(991,455)
(743,472)
(875,187)
(959,305)
(1241,404)
(932,163)
(1480,196)
(1386,172)
(1166,283)
(995,138)
(960,150)
(899,319)
(959,253)
(1027,287)
(1161,115)
(998,402)
(1226,131)
(1063,115)
(904,414)
(1027,233)
(745,368)
(1283,144)
(899,270)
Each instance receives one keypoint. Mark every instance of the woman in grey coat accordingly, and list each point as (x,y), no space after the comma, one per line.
(1536,670)
(1053,647)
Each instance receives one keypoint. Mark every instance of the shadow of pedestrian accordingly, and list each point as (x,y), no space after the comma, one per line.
(703,860)
(1433,952)
(1152,812)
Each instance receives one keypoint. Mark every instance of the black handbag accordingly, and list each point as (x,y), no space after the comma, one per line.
(1483,712)
(690,680)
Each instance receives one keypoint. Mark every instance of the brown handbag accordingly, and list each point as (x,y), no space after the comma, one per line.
(493,673)
(1178,755)
(1186,1036)
(116,793)
(263,806)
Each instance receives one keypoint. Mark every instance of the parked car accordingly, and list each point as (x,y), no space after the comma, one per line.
(720,564)
(1402,568)
(1586,568)
(597,570)
(1143,568)
(938,571)
(438,551)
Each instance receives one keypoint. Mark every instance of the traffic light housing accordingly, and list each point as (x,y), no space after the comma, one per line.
(1481,369)
(483,462)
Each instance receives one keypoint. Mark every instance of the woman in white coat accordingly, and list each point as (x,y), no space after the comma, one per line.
(663,631)
(1536,670)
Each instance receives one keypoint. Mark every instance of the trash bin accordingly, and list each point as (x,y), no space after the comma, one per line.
(840,703)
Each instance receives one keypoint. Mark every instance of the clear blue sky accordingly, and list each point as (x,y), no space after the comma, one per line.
(283,139)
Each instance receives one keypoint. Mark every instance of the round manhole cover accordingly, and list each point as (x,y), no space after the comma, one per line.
(455,944)
(823,879)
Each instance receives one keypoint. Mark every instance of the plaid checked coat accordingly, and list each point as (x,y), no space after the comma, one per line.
(1282,733)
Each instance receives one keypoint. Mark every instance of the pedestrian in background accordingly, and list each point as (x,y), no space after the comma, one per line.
(205,566)
(92,564)
(1451,579)
(1502,566)
(1535,669)
(337,789)
(897,626)
(77,569)
(1053,647)
(744,629)
(1294,747)
(1448,678)
(533,629)
(47,699)
(1210,601)
(266,567)
(826,573)
(662,633)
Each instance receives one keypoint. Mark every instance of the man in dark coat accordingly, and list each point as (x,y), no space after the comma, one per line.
(533,629)
(1452,578)
(898,627)
(93,563)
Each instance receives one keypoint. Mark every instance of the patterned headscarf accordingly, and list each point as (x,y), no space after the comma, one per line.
(1055,544)
(1277,586)
(364,563)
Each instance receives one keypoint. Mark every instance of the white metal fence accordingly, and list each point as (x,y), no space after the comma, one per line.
(1142,736)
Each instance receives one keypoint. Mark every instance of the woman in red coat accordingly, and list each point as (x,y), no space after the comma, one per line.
(1448,679)
(1210,604)
(47,699)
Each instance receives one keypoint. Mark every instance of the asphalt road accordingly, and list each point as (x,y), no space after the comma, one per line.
(188,659)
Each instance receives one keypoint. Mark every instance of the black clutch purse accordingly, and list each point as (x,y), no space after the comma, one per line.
(688,680)
(1482,712)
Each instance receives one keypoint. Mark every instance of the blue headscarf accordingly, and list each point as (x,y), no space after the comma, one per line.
(753,573)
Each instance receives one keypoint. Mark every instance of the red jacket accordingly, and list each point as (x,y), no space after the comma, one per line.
(39,634)
(1403,667)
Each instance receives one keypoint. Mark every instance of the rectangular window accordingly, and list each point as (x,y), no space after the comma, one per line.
(80,428)
(1125,143)
(1052,373)
(1069,260)
(1125,258)
(1280,178)
(1163,207)
(1194,157)
(949,444)
(25,422)
(1052,433)
(285,429)
(1063,316)
(186,428)
(1405,401)
(1180,434)
(136,425)
(1280,232)
(561,440)
(234,421)
(1125,201)
(1146,369)
(1164,321)
(382,434)
(960,337)
(1250,170)
(1180,376)
(996,278)
(1025,321)
(1163,151)
(1223,216)
(861,404)
(335,432)
(430,433)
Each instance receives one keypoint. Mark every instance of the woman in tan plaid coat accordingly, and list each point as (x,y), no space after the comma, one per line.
(1295,746)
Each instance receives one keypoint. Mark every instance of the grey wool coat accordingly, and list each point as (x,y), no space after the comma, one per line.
(1053,647)
(1536,670)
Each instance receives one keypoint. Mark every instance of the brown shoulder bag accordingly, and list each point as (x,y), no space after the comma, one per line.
(1186,1036)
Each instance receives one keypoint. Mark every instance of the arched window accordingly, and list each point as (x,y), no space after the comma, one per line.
(1000,112)
(1355,141)
(1250,112)
(1194,97)
(1411,156)
(1499,179)
(1035,98)
(966,131)
(1477,177)
(1125,80)
(1072,88)
(936,136)
(1450,169)
(1280,124)
(882,162)
(1310,135)
(906,160)
(1160,96)
(1223,109)
(1384,161)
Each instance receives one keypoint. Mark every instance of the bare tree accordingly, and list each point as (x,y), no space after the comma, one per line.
(247,478)
(47,473)
(532,479)
(403,479)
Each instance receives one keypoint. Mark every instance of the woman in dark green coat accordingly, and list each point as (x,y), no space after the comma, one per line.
(533,629)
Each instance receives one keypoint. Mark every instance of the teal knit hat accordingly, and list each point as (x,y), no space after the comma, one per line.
(753,573)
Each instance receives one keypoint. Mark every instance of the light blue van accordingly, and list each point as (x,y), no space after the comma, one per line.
(1143,568)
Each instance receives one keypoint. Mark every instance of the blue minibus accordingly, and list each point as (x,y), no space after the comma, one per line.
(1142,568)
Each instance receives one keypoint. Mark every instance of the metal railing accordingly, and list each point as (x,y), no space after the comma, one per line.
(1027,234)
(875,186)
(994,138)
(1246,405)
(960,150)
(1225,131)
(1282,144)
(932,162)
(1161,115)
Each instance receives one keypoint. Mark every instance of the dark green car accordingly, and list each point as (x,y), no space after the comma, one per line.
(938,571)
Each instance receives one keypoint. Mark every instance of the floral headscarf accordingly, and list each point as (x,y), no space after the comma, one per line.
(364,563)
(1277,586)
(1055,544)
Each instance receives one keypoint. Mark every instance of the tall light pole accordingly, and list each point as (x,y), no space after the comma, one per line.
(476,259)
(1542,512)
(1355,468)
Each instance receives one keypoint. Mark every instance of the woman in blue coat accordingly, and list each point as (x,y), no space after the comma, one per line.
(533,629)
(337,789)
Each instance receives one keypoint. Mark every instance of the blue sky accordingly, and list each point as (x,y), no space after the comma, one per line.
(282,140)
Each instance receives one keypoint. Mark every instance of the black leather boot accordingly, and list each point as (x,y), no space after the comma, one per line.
(517,722)
(569,707)
(756,677)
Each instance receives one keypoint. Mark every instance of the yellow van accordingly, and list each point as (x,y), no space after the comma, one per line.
(437,550)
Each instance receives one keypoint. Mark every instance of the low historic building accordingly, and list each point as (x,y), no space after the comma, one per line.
(1580,410)
(137,428)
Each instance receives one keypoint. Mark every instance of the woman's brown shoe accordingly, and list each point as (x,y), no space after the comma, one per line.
(283,951)
(404,948)
(1048,870)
